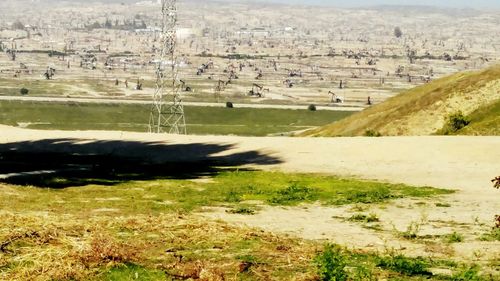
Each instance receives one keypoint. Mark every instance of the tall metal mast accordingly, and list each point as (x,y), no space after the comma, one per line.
(167,112)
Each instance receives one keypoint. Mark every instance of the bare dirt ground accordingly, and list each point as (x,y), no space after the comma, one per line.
(465,164)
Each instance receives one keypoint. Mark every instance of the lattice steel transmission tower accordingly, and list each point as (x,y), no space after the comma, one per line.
(167,111)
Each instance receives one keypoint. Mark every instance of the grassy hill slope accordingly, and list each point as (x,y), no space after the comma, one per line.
(484,121)
(424,110)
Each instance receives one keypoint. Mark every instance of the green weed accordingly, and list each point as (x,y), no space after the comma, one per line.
(411,231)
(493,235)
(454,238)
(467,274)
(331,264)
(294,194)
(404,265)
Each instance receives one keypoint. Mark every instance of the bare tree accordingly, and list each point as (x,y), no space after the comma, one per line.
(18,25)
(398,32)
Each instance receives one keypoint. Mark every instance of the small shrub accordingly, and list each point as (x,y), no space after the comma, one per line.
(24,91)
(454,238)
(398,33)
(242,211)
(467,274)
(331,264)
(372,133)
(365,218)
(456,122)
(229,104)
(312,107)
(411,231)
(443,205)
(404,265)
(358,217)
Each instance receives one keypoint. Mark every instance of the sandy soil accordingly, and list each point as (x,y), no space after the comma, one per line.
(465,164)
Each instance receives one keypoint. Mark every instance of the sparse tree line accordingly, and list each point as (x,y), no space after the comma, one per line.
(18,25)
(116,24)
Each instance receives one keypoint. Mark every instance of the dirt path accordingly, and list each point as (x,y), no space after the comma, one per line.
(466,164)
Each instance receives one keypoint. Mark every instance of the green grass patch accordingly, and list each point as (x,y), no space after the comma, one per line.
(228,187)
(484,121)
(454,238)
(294,194)
(133,117)
(129,272)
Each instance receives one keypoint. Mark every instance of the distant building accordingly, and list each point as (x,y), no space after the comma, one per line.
(255,32)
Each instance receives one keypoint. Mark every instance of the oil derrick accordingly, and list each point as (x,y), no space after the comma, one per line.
(13,51)
(167,111)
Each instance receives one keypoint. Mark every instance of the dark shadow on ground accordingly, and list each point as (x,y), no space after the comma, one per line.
(62,163)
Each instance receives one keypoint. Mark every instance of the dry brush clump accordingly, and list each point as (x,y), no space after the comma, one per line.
(106,250)
(62,247)
(496,182)
(41,247)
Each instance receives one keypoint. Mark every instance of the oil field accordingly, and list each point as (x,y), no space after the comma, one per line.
(249,140)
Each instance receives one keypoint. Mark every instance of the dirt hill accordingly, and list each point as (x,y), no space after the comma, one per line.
(425,110)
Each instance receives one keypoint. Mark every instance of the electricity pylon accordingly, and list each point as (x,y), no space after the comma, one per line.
(167,111)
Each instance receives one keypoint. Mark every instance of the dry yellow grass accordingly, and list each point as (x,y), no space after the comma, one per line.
(40,246)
